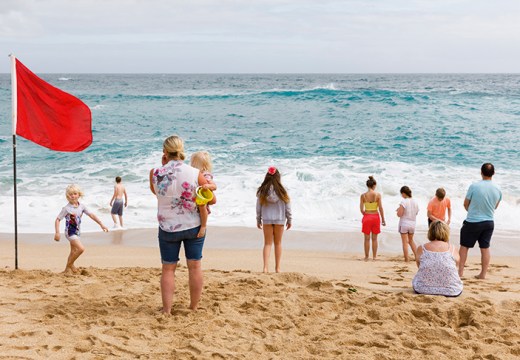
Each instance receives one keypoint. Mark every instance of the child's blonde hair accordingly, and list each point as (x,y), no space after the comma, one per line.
(73,188)
(202,160)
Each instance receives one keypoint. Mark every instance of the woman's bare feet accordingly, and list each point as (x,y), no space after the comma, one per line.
(71,270)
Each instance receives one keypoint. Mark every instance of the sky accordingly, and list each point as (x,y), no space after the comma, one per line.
(262,36)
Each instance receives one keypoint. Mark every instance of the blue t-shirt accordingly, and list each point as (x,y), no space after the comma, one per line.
(484,196)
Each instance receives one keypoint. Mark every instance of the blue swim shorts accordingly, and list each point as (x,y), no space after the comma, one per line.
(170,245)
(482,231)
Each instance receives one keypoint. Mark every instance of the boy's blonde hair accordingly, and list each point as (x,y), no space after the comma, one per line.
(202,160)
(73,188)
(439,230)
(174,147)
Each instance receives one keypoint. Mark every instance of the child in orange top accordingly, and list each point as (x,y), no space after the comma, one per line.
(437,207)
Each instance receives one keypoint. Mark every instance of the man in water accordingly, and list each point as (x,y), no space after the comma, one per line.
(481,201)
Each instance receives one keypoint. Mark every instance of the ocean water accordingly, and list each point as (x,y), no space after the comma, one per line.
(325,132)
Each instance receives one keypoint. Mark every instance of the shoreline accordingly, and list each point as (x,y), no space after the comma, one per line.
(238,238)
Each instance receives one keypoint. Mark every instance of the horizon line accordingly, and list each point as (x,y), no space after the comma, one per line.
(280,73)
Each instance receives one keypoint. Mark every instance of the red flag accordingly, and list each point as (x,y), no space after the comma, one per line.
(49,116)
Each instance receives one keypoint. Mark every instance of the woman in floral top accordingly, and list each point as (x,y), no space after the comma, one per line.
(438,264)
(174,184)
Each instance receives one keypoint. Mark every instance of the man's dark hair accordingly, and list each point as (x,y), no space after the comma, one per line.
(488,170)
(118,179)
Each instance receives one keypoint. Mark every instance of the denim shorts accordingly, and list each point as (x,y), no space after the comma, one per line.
(170,245)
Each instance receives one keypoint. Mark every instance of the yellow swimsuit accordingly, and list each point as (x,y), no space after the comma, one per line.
(371,206)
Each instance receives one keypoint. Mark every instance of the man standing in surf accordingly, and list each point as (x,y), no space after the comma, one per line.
(481,201)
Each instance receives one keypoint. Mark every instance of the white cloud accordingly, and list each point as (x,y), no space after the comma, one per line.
(264,35)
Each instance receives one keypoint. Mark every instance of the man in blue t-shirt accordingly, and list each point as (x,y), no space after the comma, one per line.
(481,201)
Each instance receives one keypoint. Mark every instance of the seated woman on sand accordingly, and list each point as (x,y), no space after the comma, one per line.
(438,264)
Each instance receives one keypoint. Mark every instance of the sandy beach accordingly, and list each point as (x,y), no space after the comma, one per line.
(324,305)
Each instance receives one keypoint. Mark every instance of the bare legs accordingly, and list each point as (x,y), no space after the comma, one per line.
(114,219)
(168,284)
(463,253)
(407,240)
(76,249)
(485,258)
(367,246)
(195,282)
(272,233)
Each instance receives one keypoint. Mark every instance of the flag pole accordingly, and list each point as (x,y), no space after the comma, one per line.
(14,111)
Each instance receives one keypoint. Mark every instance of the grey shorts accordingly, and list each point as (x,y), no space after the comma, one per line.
(117,207)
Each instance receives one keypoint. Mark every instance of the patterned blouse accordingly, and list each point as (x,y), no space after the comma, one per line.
(175,184)
(437,274)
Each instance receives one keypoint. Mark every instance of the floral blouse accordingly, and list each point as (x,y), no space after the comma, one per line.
(175,184)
